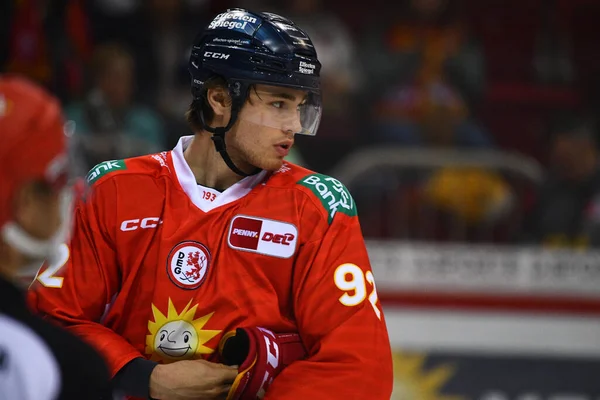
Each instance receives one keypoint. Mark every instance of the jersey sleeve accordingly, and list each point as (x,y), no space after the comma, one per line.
(76,291)
(338,314)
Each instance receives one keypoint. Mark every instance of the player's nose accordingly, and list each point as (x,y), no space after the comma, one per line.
(292,125)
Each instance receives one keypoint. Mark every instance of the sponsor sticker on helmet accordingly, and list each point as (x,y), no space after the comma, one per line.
(187,264)
(235,20)
(263,236)
(306,68)
(333,194)
(231,42)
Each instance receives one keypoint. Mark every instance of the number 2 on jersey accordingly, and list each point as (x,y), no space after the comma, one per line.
(48,278)
(355,288)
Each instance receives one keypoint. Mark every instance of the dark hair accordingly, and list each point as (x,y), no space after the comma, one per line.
(201,105)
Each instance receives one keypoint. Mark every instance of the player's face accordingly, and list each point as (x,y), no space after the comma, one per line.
(38,210)
(264,132)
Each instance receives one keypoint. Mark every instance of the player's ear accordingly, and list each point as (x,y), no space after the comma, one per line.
(220,101)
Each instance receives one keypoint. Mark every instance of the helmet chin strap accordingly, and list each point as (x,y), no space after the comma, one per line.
(238,95)
(218,139)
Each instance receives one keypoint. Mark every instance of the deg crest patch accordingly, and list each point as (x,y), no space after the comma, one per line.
(187,264)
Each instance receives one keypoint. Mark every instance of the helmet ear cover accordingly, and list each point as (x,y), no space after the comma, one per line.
(238,92)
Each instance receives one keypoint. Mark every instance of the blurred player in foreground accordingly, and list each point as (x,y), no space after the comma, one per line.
(186,262)
(38,361)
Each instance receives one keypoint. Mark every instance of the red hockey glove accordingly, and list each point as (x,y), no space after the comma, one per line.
(261,356)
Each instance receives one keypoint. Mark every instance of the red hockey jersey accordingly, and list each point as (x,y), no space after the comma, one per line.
(161,267)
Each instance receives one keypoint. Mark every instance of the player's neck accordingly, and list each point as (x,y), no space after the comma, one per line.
(207,165)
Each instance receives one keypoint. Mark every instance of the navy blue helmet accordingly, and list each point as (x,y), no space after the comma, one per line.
(246,48)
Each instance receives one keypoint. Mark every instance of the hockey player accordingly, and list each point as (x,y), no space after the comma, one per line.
(187,261)
(38,361)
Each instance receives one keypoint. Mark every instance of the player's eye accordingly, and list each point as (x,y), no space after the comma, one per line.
(277,104)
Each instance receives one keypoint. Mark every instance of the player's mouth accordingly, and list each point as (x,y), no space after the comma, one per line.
(283,148)
(174,352)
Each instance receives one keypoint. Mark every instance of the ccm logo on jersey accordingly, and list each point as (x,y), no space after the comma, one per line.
(263,236)
(144,223)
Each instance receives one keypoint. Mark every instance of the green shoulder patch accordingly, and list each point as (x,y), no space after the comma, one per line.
(104,168)
(333,194)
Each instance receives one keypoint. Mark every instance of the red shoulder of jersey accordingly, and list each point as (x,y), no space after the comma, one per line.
(328,194)
(152,165)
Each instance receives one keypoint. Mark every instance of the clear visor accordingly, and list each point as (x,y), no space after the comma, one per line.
(289,110)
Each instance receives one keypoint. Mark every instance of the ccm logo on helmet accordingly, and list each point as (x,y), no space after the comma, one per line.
(218,56)
(145,223)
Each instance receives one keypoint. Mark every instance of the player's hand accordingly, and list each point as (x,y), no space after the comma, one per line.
(191,380)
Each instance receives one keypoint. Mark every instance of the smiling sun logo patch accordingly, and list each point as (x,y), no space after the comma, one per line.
(178,336)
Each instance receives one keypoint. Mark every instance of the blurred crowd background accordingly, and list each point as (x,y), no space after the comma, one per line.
(449,120)
(454,123)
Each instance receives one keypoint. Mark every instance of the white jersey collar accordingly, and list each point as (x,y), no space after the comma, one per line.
(190,187)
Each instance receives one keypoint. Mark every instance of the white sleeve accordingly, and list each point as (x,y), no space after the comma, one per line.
(28,369)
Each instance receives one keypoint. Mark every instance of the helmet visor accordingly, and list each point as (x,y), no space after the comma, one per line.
(287,109)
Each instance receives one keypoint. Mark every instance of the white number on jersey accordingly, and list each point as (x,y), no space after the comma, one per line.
(350,279)
(48,278)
